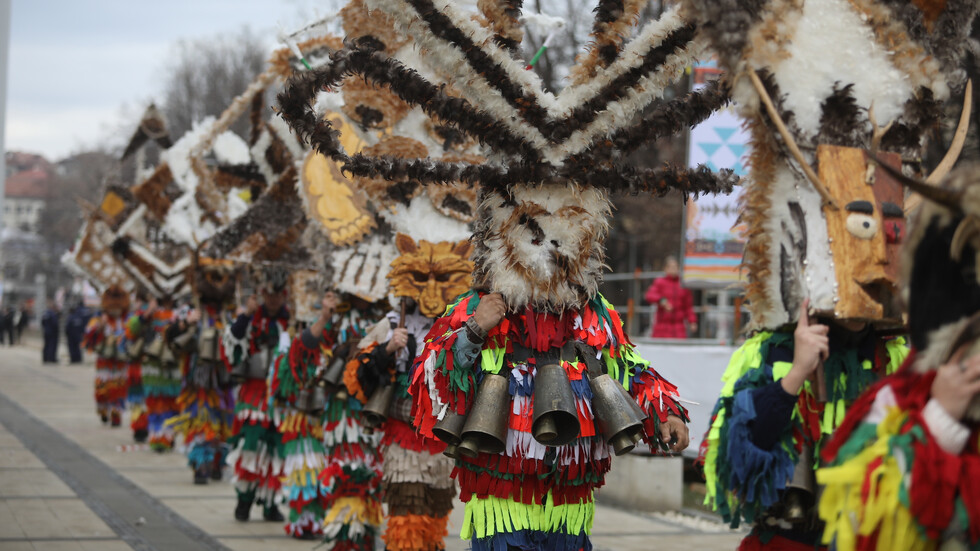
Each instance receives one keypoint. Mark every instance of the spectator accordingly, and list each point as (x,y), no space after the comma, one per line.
(75,330)
(22,320)
(49,326)
(674,304)
(10,325)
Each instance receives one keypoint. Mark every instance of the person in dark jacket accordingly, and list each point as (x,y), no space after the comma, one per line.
(49,326)
(10,325)
(75,330)
(23,320)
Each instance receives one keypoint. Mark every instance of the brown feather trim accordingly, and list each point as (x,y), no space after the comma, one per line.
(384,191)
(502,16)
(754,206)
(372,106)
(613,25)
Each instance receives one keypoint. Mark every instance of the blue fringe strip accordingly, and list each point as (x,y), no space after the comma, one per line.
(759,474)
(204,453)
(533,540)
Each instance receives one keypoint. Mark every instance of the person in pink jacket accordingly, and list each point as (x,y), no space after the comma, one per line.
(674,304)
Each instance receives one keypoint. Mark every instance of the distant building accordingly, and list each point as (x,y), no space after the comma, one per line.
(25,195)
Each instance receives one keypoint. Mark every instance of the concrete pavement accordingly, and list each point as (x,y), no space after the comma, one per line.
(68,482)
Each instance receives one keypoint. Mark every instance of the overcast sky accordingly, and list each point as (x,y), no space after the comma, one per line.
(75,64)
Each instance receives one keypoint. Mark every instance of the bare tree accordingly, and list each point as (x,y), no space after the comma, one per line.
(206,75)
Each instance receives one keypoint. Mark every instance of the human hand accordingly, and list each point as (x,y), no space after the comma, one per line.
(665,304)
(398,340)
(193,316)
(811,345)
(956,384)
(490,311)
(152,305)
(251,305)
(675,433)
(329,303)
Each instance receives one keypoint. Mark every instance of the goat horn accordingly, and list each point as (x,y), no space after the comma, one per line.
(946,197)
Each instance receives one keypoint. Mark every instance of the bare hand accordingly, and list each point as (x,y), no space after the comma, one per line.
(329,303)
(251,305)
(675,433)
(956,384)
(193,316)
(399,338)
(152,305)
(665,304)
(811,345)
(490,311)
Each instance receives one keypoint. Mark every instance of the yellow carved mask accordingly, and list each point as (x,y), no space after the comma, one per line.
(433,274)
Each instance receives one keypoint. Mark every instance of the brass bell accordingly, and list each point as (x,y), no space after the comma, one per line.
(318,399)
(555,415)
(154,350)
(451,451)
(485,429)
(616,415)
(334,375)
(449,429)
(302,399)
(799,494)
(375,411)
(207,346)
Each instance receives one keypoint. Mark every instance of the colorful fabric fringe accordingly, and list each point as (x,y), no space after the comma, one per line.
(256,446)
(890,485)
(532,496)
(743,480)
(304,457)
(111,374)
(160,384)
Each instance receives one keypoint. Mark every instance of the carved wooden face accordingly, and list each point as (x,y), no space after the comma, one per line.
(865,234)
(433,274)
(215,281)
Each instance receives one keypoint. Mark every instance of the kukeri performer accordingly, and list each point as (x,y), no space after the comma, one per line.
(159,372)
(819,84)
(106,336)
(139,419)
(416,482)
(300,425)
(903,470)
(206,403)
(351,478)
(252,345)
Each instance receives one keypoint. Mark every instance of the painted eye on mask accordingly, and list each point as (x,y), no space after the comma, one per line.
(862,226)
(420,277)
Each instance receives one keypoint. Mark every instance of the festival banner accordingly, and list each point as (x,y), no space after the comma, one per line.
(713,245)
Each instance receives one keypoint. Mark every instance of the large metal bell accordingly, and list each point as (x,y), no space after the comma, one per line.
(799,493)
(375,411)
(334,375)
(485,429)
(207,346)
(618,418)
(449,429)
(555,415)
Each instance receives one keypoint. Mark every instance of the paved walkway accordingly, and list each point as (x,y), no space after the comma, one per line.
(69,483)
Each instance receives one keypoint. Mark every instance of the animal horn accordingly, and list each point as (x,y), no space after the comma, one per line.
(959,138)
(946,197)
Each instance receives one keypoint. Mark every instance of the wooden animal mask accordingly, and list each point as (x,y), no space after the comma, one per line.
(811,78)
(433,274)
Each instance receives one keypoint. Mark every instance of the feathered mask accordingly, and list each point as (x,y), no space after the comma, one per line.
(819,82)
(550,159)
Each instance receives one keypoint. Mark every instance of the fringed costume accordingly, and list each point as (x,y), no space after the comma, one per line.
(759,433)
(206,403)
(533,496)
(302,436)
(351,478)
(416,484)
(160,375)
(903,470)
(106,338)
(139,418)
(252,346)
